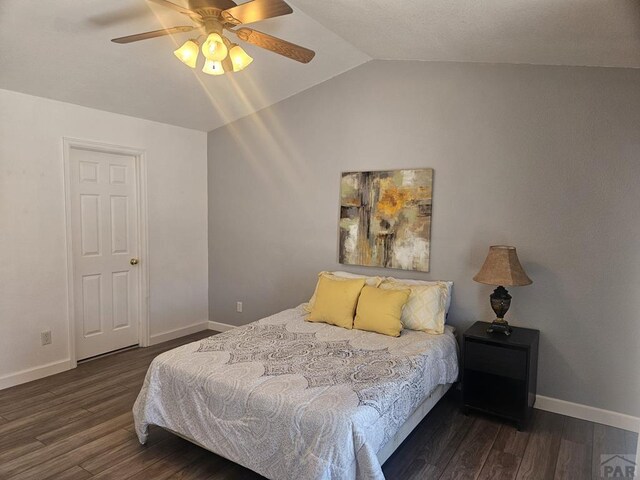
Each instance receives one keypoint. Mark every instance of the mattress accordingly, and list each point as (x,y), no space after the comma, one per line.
(291,399)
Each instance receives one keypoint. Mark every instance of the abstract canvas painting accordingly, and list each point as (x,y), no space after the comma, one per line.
(385,218)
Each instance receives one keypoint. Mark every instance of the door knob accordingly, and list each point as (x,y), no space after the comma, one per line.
(133,261)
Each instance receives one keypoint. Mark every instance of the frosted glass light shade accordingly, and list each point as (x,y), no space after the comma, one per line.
(213,68)
(188,53)
(239,58)
(214,48)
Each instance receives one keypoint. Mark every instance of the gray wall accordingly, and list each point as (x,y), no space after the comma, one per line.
(544,158)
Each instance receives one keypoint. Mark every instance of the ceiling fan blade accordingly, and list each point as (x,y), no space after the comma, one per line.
(256,10)
(277,45)
(155,33)
(120,15)
(175,7)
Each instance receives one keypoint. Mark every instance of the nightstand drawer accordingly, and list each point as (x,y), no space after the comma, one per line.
(497,360)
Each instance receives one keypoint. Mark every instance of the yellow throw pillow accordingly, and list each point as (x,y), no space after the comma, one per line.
(380,310)
(373,281)
(336,301)
(426,307)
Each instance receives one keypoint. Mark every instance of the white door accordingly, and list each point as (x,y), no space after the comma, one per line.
(104,227)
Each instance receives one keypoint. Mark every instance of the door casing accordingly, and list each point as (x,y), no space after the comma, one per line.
(140,166)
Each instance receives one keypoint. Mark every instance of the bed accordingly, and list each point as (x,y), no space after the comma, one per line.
(291,399)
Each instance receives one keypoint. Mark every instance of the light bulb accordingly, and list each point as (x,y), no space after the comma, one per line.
(239,58)
(214,48)
(188,53)
(213,68)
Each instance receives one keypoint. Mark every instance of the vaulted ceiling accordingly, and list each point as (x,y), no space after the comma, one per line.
(61,49)
(603,33)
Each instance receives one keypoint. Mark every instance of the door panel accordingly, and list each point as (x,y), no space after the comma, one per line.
(120,287)
(119,224)
(104,240)
(90,224)
(118,174)
(91,305)
(88,172)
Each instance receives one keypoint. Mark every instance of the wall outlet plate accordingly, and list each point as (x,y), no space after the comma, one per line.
(45,337)
(239,307)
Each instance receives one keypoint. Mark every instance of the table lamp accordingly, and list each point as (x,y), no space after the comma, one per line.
(502,267)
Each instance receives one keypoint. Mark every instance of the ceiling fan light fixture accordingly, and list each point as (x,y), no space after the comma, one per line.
(239,58)
(214,48)
(213,67)
(188,53)
(211,19)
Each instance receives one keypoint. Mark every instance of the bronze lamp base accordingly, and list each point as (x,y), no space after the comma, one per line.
(500,327)
(500,303)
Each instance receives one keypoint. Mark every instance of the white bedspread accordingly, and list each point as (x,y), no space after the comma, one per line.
(291,399)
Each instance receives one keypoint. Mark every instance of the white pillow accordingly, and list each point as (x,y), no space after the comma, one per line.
(371,281)
(406,281)
(425,309)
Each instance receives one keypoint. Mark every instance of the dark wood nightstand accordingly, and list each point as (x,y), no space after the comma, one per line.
(499,373)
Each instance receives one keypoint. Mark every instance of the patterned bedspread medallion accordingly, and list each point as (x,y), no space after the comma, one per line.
(376,376)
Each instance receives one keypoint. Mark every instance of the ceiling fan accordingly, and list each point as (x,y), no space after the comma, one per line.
(212,18)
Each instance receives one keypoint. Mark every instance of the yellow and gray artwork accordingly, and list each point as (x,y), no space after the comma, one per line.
(385,218)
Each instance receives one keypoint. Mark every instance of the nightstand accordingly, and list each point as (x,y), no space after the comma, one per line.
(499,372)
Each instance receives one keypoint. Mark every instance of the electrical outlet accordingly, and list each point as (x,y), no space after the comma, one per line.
(239,307)
(45,337)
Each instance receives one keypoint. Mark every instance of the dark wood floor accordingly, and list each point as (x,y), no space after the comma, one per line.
(78,425)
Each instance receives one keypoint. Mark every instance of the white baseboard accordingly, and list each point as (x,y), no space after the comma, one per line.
(584,412)
(178,332)
(34,373)
(220,327)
